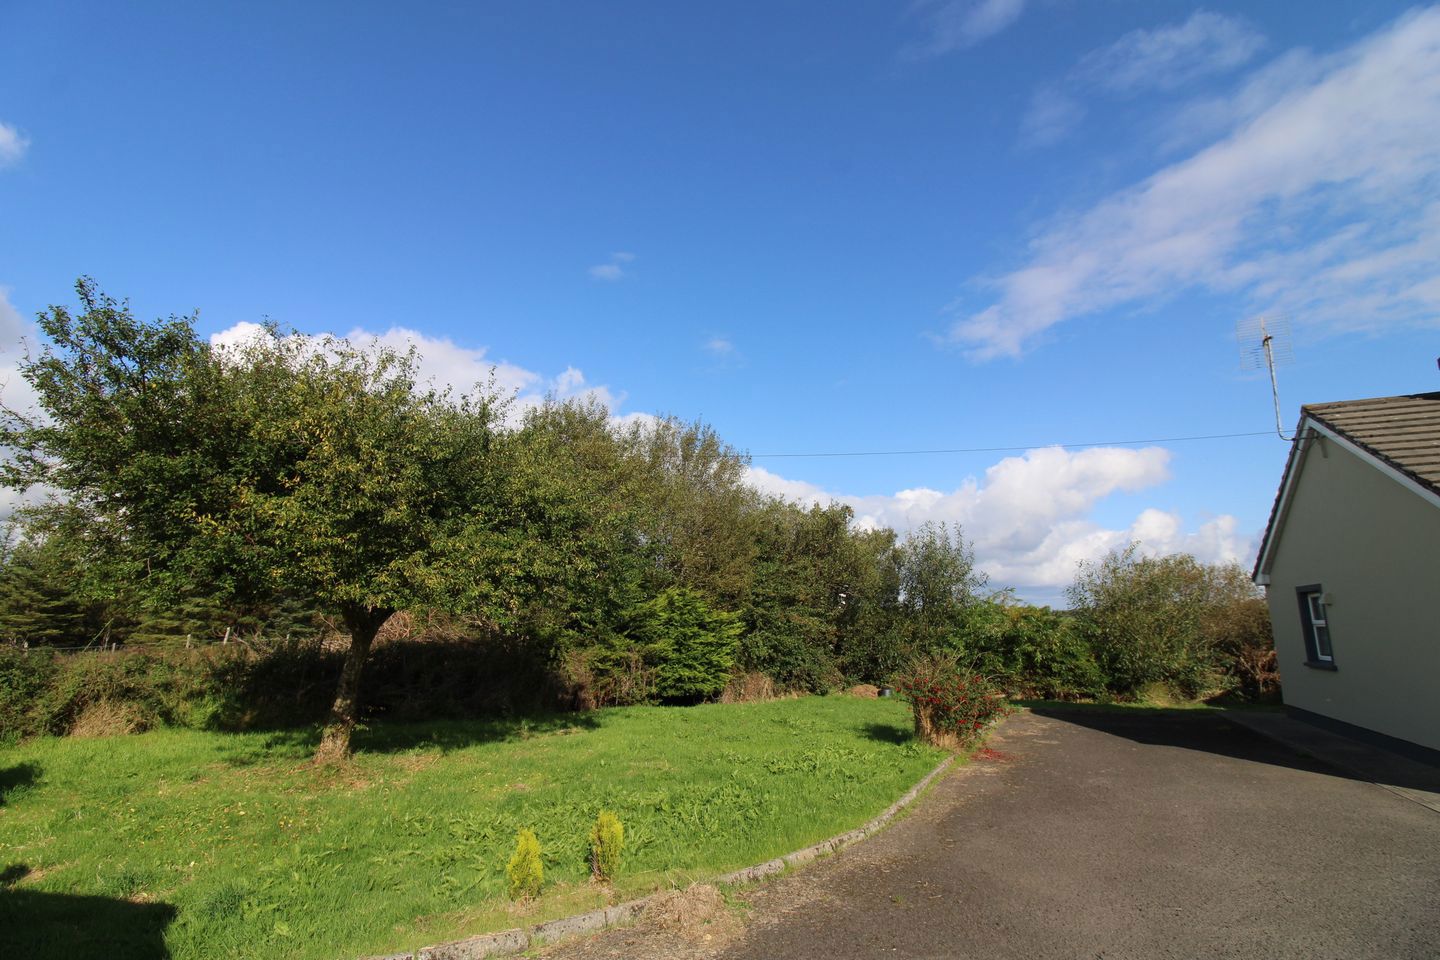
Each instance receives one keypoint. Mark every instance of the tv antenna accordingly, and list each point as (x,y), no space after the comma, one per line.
(1265,342)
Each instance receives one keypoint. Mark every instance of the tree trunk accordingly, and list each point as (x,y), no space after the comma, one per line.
(363,623)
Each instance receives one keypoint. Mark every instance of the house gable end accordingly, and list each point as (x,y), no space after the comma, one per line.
(1310,430)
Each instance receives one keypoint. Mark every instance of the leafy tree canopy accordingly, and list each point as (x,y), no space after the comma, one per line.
(283,464)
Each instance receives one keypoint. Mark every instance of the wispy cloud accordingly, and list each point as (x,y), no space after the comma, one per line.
(1321,202)
(1051,116)
(1169,57)
(957,24)
(614,269)
(1029,517)
(13,145)
(720,347)
(1160,59)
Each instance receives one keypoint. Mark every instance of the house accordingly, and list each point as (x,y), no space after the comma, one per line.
(1351,567)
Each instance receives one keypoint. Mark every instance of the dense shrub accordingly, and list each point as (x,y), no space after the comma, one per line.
(608,673)
(783,650)
(1170,621)
(952,705)
(157,689)
(690,644)
(1030,651)
(675,647)
(256,684)
(24,678)
(1240,633)
(1142,616)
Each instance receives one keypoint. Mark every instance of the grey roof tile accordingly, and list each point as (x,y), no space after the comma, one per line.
(1402,431)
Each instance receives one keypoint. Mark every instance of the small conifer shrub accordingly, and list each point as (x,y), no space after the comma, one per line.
(607,839)
(525,872)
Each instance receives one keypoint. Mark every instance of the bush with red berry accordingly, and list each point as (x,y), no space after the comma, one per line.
(952,705)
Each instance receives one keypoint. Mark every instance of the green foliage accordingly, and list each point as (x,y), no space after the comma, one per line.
(252,490)
(1237,627)
(823,598)
(951,705)
(607,841)
(37,603)
(24,678)
(283,466)
(1163,620)
(1031,651)
(691,645)
(693,508)
(938,584)
(525,874)
(268,684)
(157,691)
(782,646)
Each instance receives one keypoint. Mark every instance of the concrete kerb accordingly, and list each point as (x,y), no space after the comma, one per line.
(523,938)
(837,842)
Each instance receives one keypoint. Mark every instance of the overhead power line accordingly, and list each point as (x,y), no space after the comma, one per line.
(1031,446)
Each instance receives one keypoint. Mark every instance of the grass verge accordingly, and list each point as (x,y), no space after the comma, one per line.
(231,845)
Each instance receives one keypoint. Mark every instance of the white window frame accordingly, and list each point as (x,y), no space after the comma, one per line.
(1316,601)
(1315,621)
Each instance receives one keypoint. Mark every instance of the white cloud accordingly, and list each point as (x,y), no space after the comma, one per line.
(1163,59)
(15,337)
(1207,118)
(614,269)
(13,145)
(444,363)
(1169,57)
(1028,518)
(1051,116)
(1339,175)
(956,24)
(15,391)
(720,347)
(12,327)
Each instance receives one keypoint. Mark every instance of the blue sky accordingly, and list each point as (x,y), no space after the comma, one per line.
(821,227)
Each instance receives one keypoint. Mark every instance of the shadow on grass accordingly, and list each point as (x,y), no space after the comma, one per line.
(445,735)
(387,737)
(1209,731)
(15,778)
(59,926)
(888,732)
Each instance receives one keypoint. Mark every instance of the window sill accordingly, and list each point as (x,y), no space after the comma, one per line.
(1320,664)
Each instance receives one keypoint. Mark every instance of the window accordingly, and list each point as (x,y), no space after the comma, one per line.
(1315,624)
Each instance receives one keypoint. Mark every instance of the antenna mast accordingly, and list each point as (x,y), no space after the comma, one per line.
(1266,340)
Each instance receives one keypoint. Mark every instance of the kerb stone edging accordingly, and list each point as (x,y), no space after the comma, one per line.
(523,938)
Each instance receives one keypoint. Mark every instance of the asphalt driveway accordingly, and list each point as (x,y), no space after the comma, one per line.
(1111,835)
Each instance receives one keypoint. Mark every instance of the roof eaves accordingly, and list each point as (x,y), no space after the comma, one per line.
(1376,453)
(1261,573)
(1304,432)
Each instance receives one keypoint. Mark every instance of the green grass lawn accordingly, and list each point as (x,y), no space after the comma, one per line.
(230,845)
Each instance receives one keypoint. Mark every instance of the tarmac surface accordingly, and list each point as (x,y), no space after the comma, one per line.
(1106,835)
